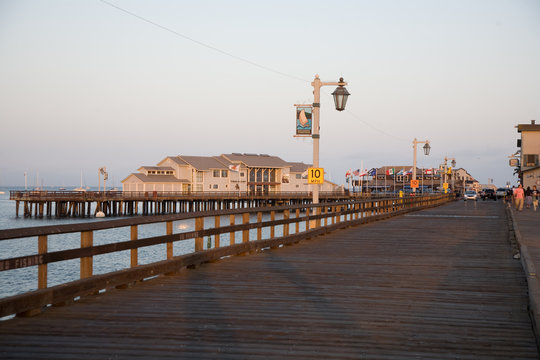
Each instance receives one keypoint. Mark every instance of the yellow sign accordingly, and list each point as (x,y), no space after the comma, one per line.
(445,186)
(415,184)
(315,176)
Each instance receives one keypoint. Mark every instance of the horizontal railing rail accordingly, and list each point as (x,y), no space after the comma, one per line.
(318,219)
(44,195)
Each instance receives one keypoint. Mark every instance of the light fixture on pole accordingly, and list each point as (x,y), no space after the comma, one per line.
(340,99)
(427,148)
(340,95)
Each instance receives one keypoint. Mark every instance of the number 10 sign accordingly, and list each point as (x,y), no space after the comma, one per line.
(315,175)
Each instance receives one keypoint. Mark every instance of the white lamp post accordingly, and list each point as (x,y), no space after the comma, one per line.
(340,99)
(453,163)
(427,148)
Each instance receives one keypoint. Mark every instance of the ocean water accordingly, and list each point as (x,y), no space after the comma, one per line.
(18,281)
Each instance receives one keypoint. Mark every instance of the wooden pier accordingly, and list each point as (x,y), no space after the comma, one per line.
(440,283)
(118,203)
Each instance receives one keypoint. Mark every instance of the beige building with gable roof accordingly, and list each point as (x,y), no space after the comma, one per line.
(529,144)
(227,172)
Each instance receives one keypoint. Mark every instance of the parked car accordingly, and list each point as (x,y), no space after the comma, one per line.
(500,193)
(489,194)
(470,195)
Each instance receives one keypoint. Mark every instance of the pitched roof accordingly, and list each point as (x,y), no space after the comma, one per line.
(298,167)
(203,163)
(157,178)
(156,168)
(175,159)
(255,160)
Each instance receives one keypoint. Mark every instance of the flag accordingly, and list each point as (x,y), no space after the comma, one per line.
(390,171)
(400,172)
(305,174)
(372,172)
(348,173)
(356,172)
(363,172)
(428,171)
(234,167)
(408,172)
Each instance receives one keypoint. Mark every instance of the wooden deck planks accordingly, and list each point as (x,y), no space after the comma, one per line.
(426,286)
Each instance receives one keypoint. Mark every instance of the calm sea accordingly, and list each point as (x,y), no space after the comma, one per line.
(18,281)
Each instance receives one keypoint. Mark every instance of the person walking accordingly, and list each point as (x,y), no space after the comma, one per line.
(519,194)
(528,197)
(535,197)
(509,194)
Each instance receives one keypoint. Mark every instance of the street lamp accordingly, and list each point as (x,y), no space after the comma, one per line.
(427,148)
(453,163)
(340,95)
(340,99)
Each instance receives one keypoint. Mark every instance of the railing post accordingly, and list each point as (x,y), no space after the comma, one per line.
(298,223)
(199,241)
(272,228)
(169,225)
(326,217)
(232,219)
(134,252)
(307,219)
(318,211)
(259,229)
(286,215)
(245,233)
(87,240)
(217,221)
(42,268)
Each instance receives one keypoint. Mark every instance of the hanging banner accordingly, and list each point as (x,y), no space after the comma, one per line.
(303,119)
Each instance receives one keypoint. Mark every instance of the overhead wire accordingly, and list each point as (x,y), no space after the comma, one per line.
(239,58)
(236,57)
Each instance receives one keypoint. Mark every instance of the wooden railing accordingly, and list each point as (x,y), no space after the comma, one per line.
(318,219)
(128,195)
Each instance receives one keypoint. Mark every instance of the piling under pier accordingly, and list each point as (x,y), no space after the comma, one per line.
(119,203)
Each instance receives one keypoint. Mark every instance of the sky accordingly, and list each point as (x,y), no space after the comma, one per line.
(125,83)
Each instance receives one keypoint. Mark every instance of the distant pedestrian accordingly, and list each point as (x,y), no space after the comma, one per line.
(535,197)
(509,194)
(519,194)
(528,197)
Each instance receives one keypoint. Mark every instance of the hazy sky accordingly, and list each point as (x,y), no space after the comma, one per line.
(84,84)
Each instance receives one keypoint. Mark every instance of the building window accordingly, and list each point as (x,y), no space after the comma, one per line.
(216,173)
(242,174)
(215,186)
(530,160)
(224,173)
(298,177)
(200,176)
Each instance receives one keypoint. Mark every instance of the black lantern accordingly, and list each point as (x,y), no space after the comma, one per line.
(340,96)
(453,163)
(427,148)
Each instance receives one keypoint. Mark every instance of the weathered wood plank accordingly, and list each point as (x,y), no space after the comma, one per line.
(429,286)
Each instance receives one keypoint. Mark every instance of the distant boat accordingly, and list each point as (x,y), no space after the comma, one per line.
(62,188)
(81,188)
(2,192)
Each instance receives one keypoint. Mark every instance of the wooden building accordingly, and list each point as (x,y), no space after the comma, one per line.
(224,173)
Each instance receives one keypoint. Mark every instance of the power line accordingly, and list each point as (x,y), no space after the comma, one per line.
(203,44)
(374,127)
(239,58)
